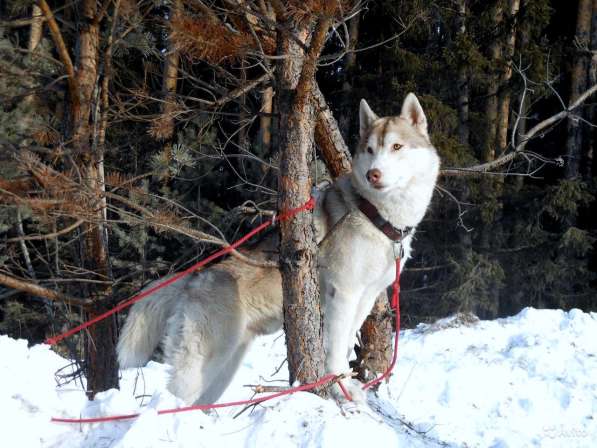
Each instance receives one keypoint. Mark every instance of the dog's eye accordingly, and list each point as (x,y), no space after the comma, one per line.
(369,150)
(396,146)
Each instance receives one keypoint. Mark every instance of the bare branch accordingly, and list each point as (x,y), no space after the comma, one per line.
(233,94)
(506,158)
(40,291)
(61,48)
(47,236)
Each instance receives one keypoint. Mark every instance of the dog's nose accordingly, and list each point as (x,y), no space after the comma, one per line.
(374,176)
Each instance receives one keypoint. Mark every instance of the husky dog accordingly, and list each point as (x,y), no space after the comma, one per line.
(363,222)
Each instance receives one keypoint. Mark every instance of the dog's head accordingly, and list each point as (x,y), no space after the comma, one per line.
(394,150)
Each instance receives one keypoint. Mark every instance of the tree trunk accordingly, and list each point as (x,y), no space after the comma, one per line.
(491,103)
(302,314)
(504,97)
(101,366)
(463,81)
(589,166)
(464,237)
(578,83)
(491,187)
(32,100)
(169,83)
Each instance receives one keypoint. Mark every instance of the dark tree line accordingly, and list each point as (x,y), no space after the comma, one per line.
(138,136)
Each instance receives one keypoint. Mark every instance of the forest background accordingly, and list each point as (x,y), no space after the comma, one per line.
(138,136)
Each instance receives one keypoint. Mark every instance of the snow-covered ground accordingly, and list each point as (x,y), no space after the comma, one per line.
(528,380)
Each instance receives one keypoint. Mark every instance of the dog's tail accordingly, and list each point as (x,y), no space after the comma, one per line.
(145,326)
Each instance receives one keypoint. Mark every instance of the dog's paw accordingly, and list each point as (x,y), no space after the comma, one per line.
(353,388)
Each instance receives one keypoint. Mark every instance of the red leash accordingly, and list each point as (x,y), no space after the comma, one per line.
(202,407)
(395,303)
(326,379)
(137,297)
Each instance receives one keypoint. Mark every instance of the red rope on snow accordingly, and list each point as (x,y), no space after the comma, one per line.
(202,407)
(395,303)
(138,297)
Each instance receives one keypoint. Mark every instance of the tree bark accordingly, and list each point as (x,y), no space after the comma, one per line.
(328,138)
(578,83)
(298,249)
(101,366)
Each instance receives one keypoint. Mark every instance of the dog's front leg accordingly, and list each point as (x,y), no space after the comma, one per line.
(339,309)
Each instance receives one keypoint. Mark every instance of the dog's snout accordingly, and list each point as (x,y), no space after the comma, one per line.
(374,176)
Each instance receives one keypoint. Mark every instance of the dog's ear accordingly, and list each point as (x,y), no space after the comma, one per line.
(366,117)
(413,113)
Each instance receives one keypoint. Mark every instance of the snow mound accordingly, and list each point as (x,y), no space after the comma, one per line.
(527,380)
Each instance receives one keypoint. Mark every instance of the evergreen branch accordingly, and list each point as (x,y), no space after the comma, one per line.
(44,174)
(149,218)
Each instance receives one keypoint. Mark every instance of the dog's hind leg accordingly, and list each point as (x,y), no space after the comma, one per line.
(204,378)
(187,383)
(223,378)
(195,372)
(192,349)
(200,343)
